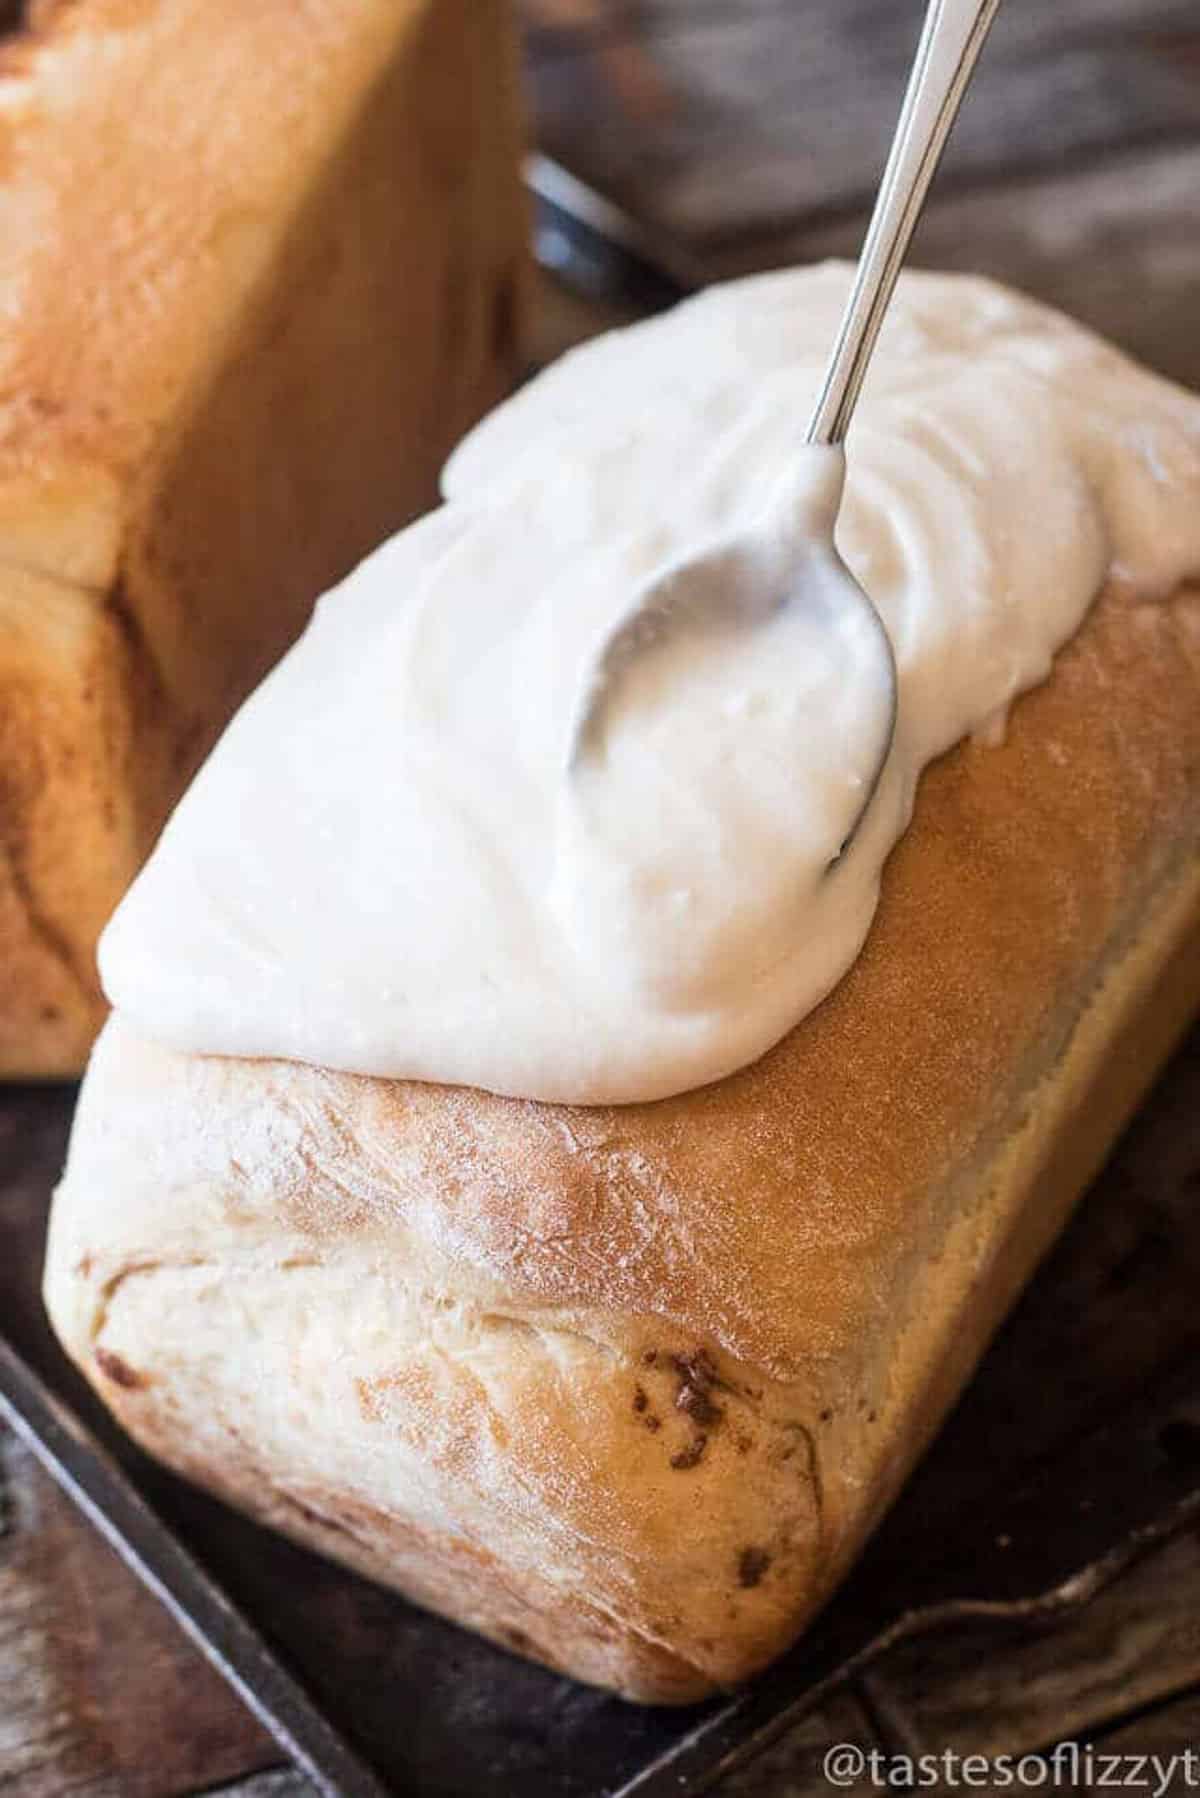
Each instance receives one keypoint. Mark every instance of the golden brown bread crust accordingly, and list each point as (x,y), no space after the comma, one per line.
(635,1382)
(262,266)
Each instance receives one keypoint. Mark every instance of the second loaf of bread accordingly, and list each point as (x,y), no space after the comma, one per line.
(262,265)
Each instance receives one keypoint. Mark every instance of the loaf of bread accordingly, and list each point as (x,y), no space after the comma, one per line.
(625,1385)
(262,264)
(625,1388)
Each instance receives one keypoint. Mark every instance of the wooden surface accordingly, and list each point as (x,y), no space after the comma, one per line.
(770,114)
(100,1695)
(1074,170)
(749,133)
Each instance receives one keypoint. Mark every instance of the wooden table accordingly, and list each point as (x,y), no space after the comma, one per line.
(746,133)
(750,133)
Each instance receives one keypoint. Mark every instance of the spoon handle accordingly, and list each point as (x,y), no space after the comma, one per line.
(951,39)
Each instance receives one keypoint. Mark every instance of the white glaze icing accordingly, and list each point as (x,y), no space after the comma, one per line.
(385,865)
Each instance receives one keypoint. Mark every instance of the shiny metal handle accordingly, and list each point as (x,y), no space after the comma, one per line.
(951,39)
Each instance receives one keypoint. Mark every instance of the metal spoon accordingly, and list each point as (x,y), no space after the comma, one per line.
(725,584)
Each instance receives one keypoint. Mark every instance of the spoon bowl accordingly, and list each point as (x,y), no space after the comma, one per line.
(733,584)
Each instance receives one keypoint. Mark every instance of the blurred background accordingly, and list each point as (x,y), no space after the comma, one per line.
(742,134)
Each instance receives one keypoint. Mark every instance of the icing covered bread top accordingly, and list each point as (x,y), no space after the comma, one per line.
(389,863)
